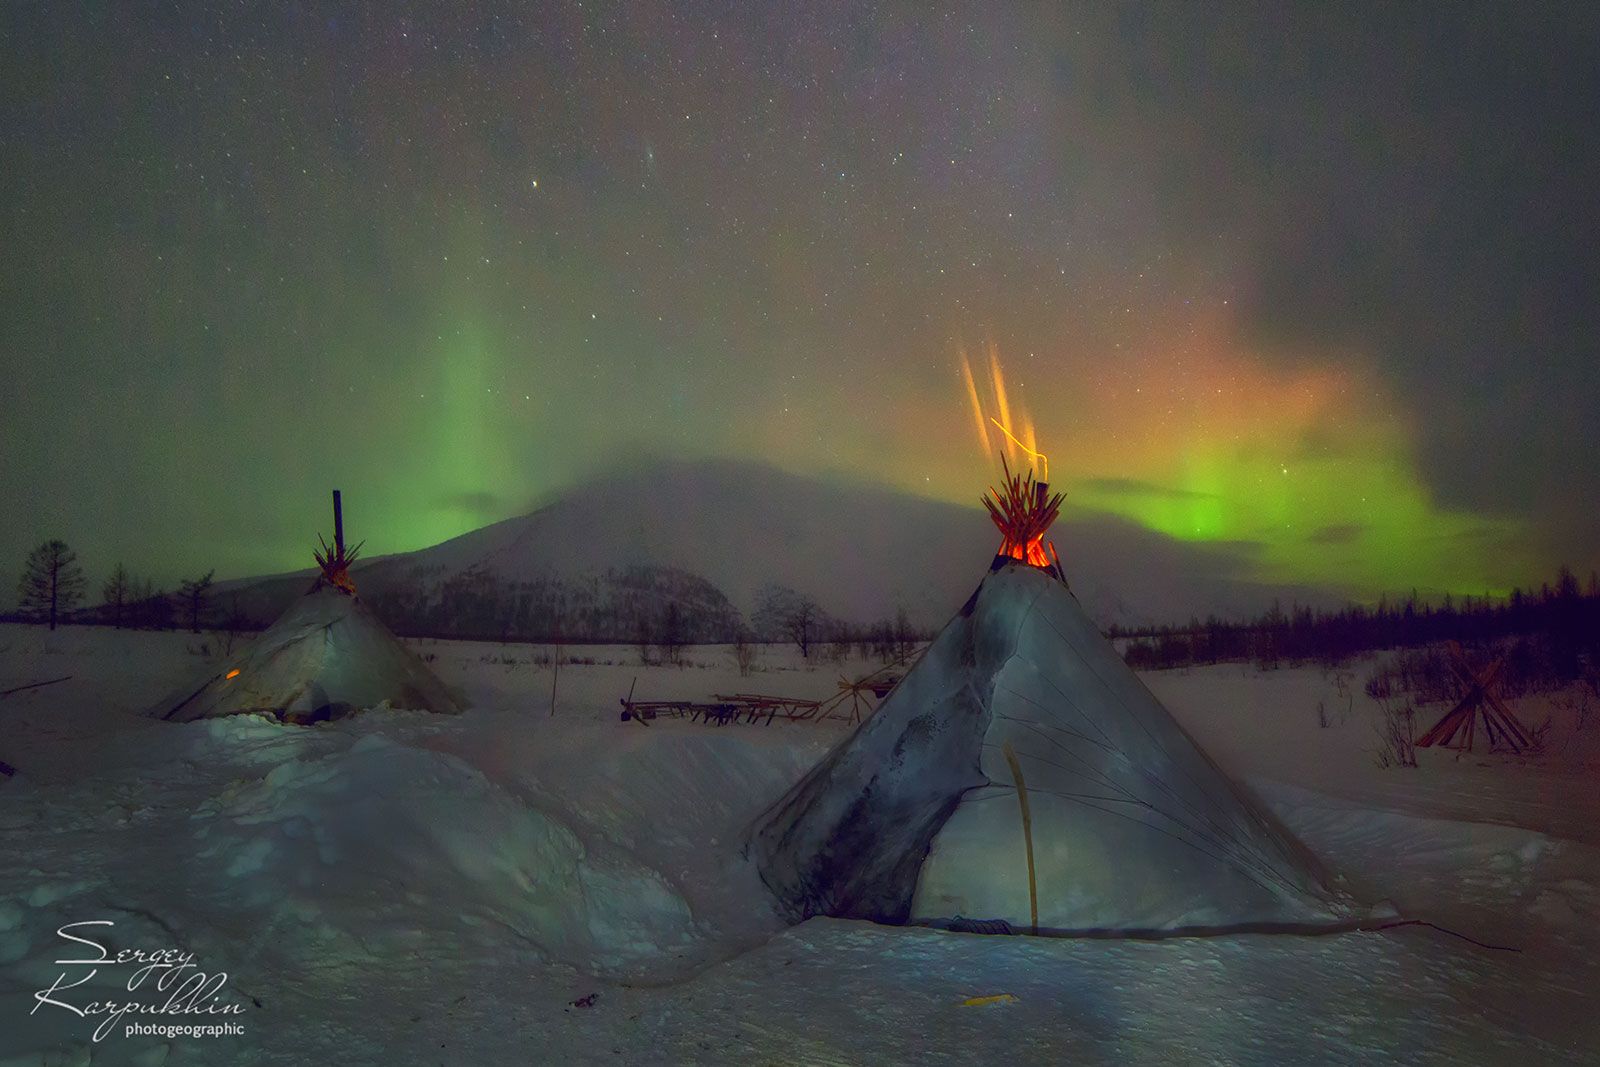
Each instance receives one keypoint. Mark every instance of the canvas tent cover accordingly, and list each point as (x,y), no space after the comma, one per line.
(915,816)
(326,657)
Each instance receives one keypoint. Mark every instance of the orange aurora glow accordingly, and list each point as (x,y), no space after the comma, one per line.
(1304,460)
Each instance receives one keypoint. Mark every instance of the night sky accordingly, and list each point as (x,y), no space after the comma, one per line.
(1319,279)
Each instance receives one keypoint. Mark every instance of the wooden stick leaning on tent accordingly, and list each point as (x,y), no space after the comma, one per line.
(1027,832)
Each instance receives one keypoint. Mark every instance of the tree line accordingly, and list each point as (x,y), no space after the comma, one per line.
(661,610)
(52,591)
(1559,622)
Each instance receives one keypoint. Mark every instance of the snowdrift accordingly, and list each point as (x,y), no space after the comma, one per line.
(386,831)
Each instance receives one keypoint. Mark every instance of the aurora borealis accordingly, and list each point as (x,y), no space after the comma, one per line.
(1316,279)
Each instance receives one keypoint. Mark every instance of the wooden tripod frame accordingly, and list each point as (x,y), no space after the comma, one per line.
(1458,728)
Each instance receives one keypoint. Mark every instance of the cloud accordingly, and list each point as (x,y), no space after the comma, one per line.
(1338,534)
(1398,183)
(1137,487)
(1128,573)
(482,503)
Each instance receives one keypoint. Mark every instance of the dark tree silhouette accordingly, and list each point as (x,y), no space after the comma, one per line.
(644,638)
(117,595)
(670,637)
(158,608)
(744,651)
(193,592)
(52,582)
(783,613)
(905,636)
(1561,624)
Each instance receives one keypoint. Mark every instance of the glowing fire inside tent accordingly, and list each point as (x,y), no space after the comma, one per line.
(1023,511)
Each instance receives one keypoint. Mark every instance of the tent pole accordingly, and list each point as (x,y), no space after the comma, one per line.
(1027,833)
(338,524)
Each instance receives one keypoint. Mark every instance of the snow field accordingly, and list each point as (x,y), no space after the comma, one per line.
(406,888)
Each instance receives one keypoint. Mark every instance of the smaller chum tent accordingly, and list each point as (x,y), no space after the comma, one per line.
(326,657)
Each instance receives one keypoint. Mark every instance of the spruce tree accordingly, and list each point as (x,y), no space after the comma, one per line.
(52,582)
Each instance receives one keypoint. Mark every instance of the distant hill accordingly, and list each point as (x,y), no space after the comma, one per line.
(708,535)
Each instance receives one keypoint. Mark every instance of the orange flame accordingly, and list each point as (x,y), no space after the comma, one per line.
(1000,399)
(1033,453)
(977,406)
(1023,507)
(1017,434)
(231,674)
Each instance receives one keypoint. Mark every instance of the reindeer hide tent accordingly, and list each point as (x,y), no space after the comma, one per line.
(915,816)
(327,656)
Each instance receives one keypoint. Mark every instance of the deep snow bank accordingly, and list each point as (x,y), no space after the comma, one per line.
(383,828)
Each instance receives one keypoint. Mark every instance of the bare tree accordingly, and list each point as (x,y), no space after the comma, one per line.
(783,613)
(905,636)
(151,607)
(117,595)
(744,651)
(228,635)
(878,642)
(52,582)
(644,639)
(839,640)
(670,639)
(193,592)
(1397,734)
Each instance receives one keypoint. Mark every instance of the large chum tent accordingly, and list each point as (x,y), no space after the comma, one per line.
(918,815)
(326,657)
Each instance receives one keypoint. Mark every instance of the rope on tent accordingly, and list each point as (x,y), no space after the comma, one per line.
(969,799)
(1442,929)
(1112,692)
(1111,746)
(1242,863)
(999,926)
(1053,726)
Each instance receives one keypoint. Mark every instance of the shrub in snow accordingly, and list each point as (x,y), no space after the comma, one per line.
(1397,734)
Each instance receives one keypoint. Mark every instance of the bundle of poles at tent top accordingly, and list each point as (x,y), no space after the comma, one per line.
(1023,510)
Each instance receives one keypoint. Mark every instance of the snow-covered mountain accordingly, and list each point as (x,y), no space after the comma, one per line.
(699,532)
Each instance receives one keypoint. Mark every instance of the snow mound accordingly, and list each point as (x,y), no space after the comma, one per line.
(388,832)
